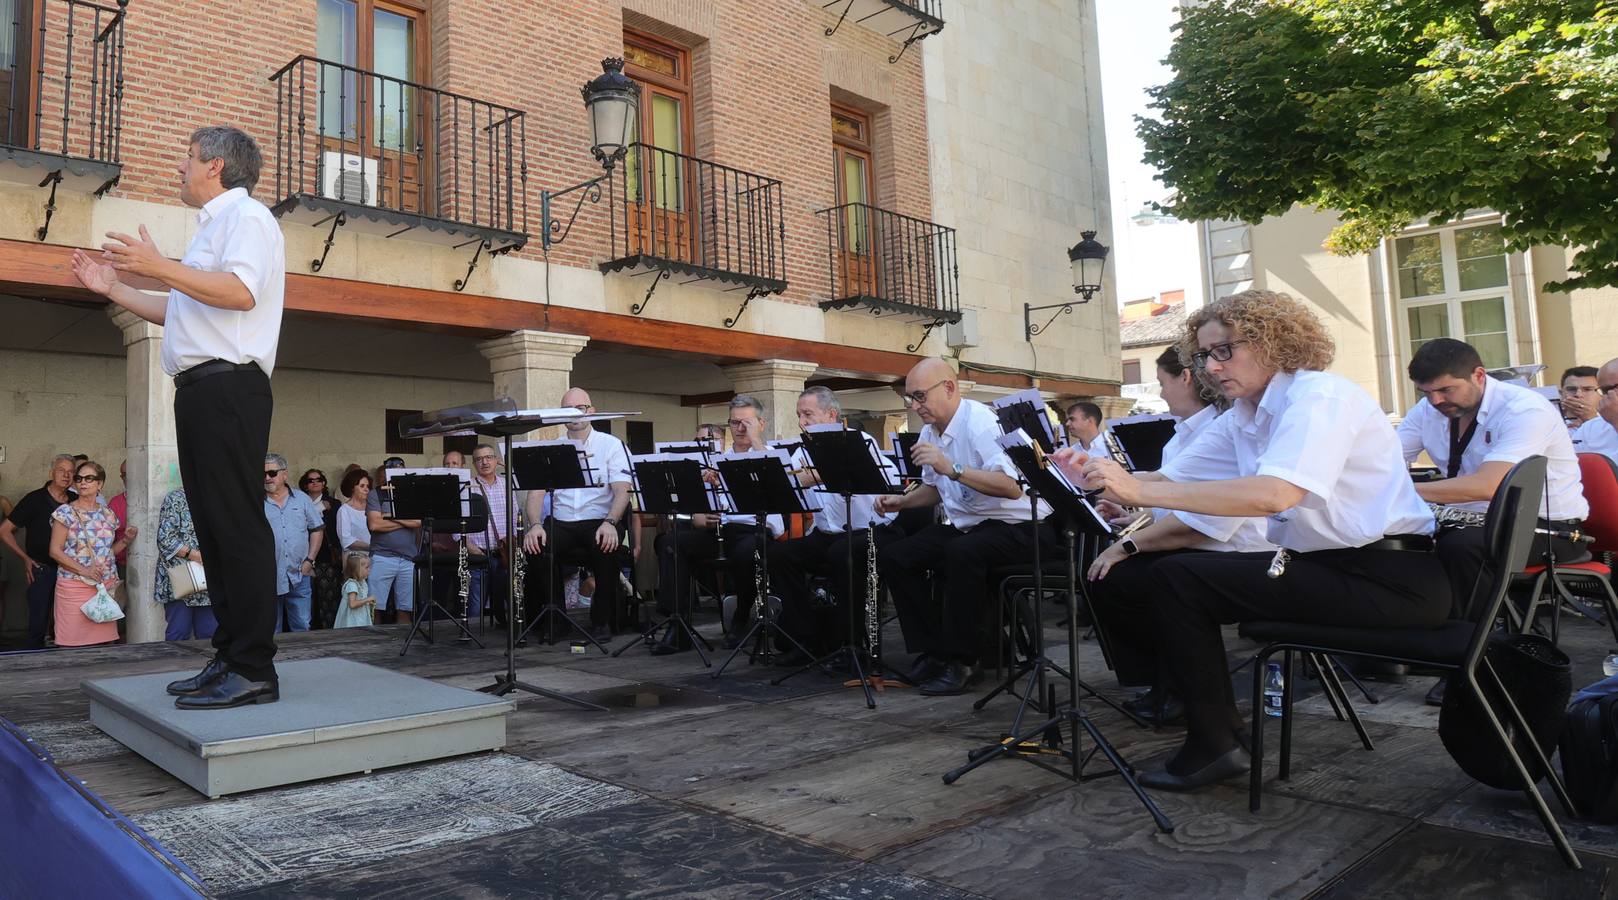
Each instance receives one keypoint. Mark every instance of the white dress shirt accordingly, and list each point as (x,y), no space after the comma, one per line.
(1097,448)
(970,441)
(1513,424)
(1324,434)
(830,518)
(1239,534)
(609,464)
(236,234)
(1597,436)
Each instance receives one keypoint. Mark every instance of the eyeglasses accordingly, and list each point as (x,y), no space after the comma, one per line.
(917,398)
(1583,389)
(1218,353)
(740,424)
(315,478)
(483,459)
(83,479)
(271,473)
(1607,389)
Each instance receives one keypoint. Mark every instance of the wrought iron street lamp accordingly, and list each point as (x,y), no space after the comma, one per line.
(1089,260)
(612,100)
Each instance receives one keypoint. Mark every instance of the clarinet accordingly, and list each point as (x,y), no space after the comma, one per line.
(1450,517)
(1117,449)
(873,624)
(519,562)
(465,573)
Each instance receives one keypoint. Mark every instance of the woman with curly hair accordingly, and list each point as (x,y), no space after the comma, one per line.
(1313,453)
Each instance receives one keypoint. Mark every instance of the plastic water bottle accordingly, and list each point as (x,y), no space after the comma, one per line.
(1609,666)
(1273,685)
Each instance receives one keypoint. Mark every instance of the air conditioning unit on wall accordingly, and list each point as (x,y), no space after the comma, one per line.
(348,177)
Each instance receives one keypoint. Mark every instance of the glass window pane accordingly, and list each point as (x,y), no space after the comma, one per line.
(1481,256)
(854,185)
(1428,322)
(1494,348)
(1484,316)
(667,134)
(9,26)
(1421,265)
(393,52)
(337,40)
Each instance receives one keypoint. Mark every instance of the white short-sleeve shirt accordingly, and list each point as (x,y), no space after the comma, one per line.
(1324,434)
(830,518)
(1240,534)
(1097,448)
(609,464)
(1513,423)
(236,234)
(970,441)
(1596,436)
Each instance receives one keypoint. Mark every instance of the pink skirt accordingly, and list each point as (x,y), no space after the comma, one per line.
(73,627)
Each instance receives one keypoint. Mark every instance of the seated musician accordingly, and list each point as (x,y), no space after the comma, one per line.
(1084,431)
(824,549)
(1120,576)
(1316,455)
(734,534)
(965,470)
(583,524)
(1600,434)
(1475,428)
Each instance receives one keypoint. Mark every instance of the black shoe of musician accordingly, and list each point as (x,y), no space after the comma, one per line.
(212,672)
(1158,708)
(925,668)
(1230,764)
(231,691)
(1435,696)
(956,678)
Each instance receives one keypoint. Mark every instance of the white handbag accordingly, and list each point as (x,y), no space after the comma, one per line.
(187,577)
(101,607)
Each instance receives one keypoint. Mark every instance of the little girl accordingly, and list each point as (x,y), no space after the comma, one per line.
(355,610)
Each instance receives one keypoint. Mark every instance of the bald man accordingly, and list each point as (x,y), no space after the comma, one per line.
(966,471)
(584,523)
(1600,434)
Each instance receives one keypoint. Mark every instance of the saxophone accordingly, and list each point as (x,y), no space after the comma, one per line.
(873,621)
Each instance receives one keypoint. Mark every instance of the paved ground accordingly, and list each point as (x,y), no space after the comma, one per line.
(732,787)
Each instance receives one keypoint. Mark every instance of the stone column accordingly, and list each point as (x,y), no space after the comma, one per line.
(534,368)
(154,464)
(777,384)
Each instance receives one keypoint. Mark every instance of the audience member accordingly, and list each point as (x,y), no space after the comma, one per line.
(33,515)
(119,505)
(85,545)
(190,616)
(1599,434)
(357,602)
(295,523)
(353,535)
(328,575)
(394,543)
(491,541)
(1579,395)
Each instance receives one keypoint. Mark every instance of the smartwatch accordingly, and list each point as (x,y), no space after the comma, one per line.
(1128,544)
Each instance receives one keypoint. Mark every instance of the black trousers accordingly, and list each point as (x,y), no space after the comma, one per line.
(793,562)
(695,550)
(1121,605)
(1193,594)
(574,544)
(222,427)
(41,604)
(1462,551)
(955,628)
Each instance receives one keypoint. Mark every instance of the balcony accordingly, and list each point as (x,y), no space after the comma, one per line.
(380,155)
(674,214)
(892,265)
(62,86)
(902,20)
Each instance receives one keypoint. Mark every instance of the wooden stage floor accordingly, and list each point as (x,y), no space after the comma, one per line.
(733,788)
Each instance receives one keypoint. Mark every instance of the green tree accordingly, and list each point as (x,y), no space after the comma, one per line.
(1390,111)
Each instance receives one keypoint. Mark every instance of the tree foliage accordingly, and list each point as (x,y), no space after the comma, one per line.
(1391,111)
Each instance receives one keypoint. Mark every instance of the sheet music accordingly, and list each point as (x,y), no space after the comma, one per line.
(890,470)
(901,455)
(1020,439)
(593,477)
(811,499)
(716,502)
(1032,397)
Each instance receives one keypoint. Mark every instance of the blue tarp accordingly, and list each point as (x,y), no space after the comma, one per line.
(58,839)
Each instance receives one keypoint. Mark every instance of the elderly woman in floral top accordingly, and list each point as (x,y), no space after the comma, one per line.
(84,544)
(191,616)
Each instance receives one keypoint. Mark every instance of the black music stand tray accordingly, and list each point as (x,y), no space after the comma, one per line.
(845,466)
(1142,439)
(672,488)
(437,501)
(551,467)
(1075,516)
(760,486)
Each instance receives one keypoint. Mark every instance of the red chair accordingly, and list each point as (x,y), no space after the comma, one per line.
(1600,479)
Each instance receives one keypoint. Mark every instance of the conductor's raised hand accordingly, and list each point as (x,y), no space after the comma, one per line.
(1112,480)
(135,255)
(95,274)
(534,539)
(933,456)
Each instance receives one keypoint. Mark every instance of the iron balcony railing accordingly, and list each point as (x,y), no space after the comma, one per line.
(363,138)
(892,259)
(671,211)
(62,77)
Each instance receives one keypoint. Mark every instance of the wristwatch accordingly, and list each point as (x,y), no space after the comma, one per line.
(1128,544)
(956,472)
(308,560)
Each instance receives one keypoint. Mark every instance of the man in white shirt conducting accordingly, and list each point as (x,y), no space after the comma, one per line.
(965,470)
(221,312)
(584,524)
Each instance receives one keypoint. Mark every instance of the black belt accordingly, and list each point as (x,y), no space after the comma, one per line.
(211,367)
(1415,543)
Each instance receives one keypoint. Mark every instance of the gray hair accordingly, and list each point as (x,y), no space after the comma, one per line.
(239,151)
(823,395)
(64,457)
(276,458)
(743,401)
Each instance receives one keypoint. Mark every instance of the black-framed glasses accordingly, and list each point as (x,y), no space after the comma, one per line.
(917,398)
(1218,353)
(1583,389)
(1607,389)
(84,479)
(315,478)
(740,424)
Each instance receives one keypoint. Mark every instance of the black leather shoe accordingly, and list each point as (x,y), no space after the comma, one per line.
(1157,708)
(923,669)
(956,678)
(212,672)
(231,691)
(1435,696)
(1232,763)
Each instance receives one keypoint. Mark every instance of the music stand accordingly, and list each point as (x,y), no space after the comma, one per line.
(439,498)
(670,485)
(1026,410)
(1143,439)
(847,462)
(1075,516)
(759,484)
(558,465)
(903,442)
(501,418)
